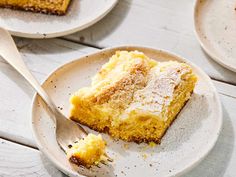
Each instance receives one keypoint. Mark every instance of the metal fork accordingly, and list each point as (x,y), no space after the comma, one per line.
(67,131)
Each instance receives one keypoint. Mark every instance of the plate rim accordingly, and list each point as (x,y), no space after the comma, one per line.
(201,42)
(91,21)
(187,168)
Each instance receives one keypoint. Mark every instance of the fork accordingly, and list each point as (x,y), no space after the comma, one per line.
(67,131)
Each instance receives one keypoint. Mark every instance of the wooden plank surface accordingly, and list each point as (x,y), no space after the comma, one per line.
(17,160)
(41,60)
(42,57)
(157,23)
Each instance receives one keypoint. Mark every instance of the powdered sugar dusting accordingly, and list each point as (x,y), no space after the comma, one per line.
(159,90)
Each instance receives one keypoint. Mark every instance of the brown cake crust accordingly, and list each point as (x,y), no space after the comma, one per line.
(146,112)
(133,139)
(78,161)
(37,9)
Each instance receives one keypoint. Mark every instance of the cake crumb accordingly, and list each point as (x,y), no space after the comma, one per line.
(123,173)
(82,38)
(144,156)
(152,144)
(144,148)
(126,146)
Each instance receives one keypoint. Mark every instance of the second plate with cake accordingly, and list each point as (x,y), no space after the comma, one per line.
(188,140)
(79,15)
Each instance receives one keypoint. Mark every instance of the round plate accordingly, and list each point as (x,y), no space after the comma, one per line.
(188,140)
(215,28)
(81,14)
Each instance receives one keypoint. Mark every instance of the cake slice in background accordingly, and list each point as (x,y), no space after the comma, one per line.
(57,7)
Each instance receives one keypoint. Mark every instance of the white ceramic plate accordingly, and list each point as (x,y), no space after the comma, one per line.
(216,30)
(81,14)
(186,143)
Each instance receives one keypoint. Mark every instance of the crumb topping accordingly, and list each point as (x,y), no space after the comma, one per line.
(158,93)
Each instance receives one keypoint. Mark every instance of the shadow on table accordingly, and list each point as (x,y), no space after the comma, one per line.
(13,75)
(215,164)
(50,168)
(220,68)
(48,46)
(106,26)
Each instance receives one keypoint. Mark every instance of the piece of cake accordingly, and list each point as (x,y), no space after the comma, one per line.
(58,7)
(88,151)
(133,97)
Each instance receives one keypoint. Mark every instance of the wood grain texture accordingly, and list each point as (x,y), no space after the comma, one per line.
(157,23)
(225,89)
(17,160)
(43,56)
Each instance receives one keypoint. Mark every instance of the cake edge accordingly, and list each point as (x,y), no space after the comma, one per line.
(37,10)
(73,159)
(136,140)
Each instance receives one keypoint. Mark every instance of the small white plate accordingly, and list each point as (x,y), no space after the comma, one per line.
(81,14)
(215,26)
(189,139)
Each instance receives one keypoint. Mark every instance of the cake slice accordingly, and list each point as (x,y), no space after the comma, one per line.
(88,151)
(58,7)
(133,97)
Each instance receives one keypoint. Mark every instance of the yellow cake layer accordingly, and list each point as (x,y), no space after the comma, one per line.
(45,6)
(134,98)
(87,151)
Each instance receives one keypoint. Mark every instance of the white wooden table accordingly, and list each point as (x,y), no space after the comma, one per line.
(156,23)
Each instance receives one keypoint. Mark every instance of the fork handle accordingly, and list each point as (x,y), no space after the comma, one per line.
(10,53)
